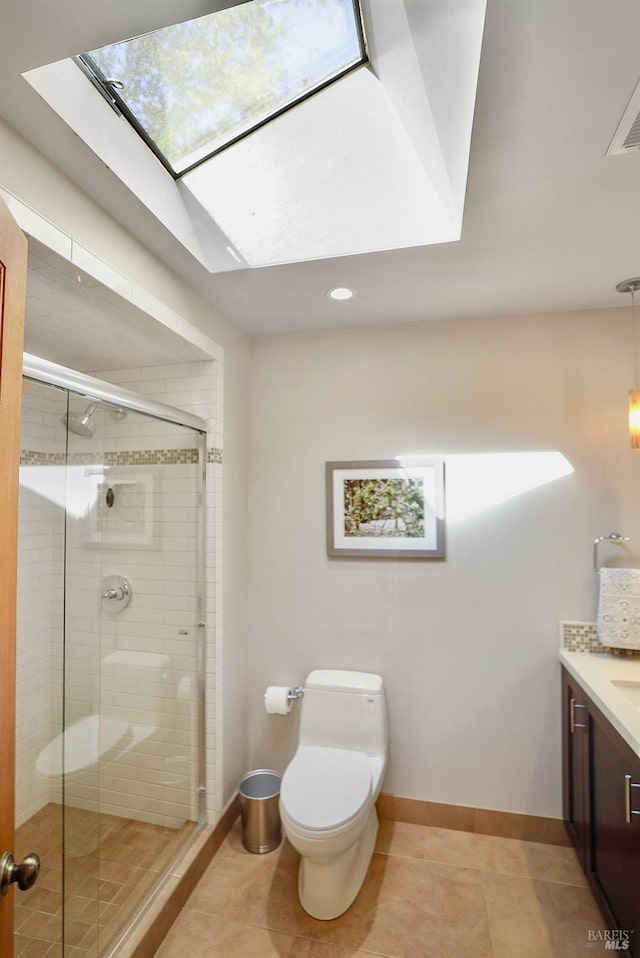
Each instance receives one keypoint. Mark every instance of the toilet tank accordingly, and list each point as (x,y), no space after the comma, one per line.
(343,709)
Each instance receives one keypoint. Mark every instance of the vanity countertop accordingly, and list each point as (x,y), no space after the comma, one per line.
(612,682)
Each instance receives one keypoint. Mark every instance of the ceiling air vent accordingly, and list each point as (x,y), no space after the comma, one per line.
(627,136)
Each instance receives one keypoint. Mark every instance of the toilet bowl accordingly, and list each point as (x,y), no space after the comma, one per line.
(329,789)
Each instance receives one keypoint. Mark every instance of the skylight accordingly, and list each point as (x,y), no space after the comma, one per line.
(193,88)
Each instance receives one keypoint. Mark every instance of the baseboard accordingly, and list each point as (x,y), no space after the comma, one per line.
(169,901)
(531,828)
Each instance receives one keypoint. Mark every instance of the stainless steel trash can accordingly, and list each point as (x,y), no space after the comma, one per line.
(259,798)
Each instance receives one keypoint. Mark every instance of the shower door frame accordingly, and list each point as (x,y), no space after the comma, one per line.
(52,374)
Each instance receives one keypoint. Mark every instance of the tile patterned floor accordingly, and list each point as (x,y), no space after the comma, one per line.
(430,893)
(110,863)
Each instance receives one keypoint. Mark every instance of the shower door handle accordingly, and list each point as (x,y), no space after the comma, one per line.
(25,874)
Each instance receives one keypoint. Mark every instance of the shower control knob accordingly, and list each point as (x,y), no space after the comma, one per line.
(25,874)
(115,593)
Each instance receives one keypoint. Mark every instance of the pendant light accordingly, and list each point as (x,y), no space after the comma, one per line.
(632,286)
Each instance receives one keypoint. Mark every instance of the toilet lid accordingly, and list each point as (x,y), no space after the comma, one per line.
(324,787)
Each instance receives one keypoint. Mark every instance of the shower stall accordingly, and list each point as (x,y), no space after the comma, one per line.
(110,647)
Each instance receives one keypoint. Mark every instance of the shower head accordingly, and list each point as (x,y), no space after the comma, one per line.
(81,424)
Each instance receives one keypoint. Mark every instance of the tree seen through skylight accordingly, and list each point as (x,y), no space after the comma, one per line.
(196,85)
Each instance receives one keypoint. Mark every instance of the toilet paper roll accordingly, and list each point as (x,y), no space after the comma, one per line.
(277,701)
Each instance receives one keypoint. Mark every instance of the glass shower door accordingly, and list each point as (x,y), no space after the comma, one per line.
(39,676)
(132,664)
(110,673)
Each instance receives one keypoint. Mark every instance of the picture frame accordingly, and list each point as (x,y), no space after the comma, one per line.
(383,508)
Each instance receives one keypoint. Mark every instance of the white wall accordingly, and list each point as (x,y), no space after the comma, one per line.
(467,647)
(29,176)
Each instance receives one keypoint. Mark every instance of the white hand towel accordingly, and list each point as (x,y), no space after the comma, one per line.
(619,608)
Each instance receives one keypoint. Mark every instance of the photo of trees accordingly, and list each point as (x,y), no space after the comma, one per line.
(384,507)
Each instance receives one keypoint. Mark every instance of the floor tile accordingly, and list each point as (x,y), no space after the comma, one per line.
(429,893)
(487,852)
(198,935)
(306,948)
(411,908)
(402,839)
(109,864)
(531,918)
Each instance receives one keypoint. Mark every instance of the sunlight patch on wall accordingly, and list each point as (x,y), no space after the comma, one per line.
(476,482)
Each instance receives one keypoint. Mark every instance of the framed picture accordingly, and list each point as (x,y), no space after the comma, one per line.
(383,508)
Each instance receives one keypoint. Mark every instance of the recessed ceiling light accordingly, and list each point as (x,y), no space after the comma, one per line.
(341,292)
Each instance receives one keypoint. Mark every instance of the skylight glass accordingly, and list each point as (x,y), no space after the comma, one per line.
(193,88)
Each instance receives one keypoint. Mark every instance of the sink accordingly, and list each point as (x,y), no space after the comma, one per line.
(630,690)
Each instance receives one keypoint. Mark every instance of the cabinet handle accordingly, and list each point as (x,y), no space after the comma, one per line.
(573,705)
(628,811)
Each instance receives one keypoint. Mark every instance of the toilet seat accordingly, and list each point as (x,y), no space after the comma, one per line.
(325,789)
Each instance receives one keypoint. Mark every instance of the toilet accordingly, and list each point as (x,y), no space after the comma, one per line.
(329,789)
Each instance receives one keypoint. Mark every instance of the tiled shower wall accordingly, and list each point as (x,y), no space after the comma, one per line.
(135,667)
(139,662)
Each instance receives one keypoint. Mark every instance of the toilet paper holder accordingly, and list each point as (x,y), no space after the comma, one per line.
(279,699)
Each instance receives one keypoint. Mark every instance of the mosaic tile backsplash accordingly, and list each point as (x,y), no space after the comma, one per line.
(583,637)
(131,457)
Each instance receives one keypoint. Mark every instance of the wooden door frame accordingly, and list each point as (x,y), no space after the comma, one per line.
(13,275)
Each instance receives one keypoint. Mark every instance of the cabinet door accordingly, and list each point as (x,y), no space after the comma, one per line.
(616,830)
(575,767)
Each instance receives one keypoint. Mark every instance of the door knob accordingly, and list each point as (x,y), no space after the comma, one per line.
(25,874)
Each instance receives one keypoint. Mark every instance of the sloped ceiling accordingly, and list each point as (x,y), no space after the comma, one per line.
(550,222)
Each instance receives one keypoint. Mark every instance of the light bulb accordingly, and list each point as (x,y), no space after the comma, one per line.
(634,418)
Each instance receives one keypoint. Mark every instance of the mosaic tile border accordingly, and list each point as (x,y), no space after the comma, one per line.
(583,637)
(133,457)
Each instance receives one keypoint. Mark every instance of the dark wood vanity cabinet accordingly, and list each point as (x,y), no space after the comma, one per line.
(615,803)
(602,809)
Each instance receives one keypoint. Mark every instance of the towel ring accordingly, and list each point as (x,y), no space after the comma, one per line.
(612,537)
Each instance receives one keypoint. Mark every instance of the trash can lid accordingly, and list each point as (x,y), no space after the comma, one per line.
(261,783)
